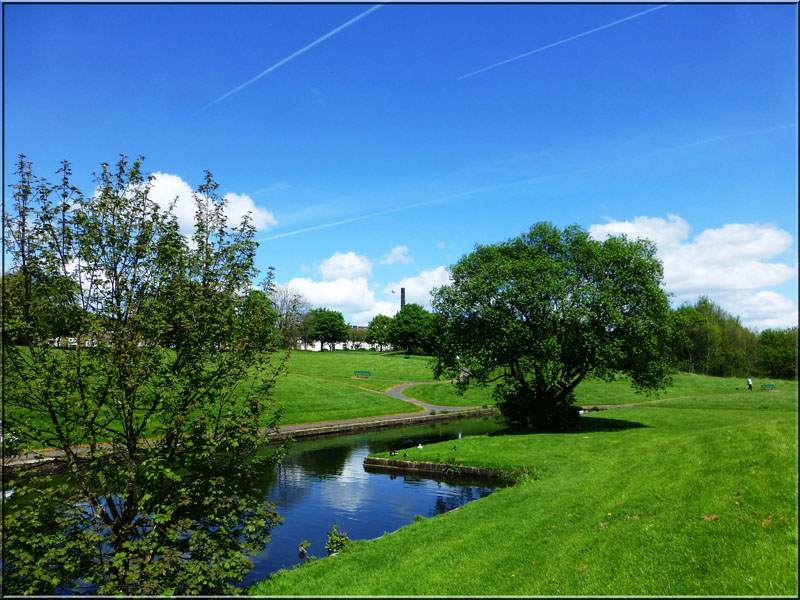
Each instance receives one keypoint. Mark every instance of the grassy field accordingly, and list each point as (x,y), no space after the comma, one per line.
(311,399)
(596,392)
(386,370)
(691,496)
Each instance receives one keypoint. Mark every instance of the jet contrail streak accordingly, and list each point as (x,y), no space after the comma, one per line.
(377,214)
(569,39)
(296,54)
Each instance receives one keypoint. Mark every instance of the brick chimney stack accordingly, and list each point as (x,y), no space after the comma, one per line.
(402,298)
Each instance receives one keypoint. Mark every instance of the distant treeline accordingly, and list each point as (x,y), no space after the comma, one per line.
(710,341)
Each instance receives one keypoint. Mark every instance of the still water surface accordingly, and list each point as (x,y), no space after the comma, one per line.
(323,482)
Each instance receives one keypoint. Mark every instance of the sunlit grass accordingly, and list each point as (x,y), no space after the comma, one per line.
(310,399)
(692,496)
(597,392)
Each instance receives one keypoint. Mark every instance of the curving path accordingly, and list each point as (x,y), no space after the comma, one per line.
(394,392)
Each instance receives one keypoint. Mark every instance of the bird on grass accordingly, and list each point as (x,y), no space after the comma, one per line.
(419,446)
(454,448)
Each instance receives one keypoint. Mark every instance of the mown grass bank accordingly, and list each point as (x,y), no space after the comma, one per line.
(691,496)
(593,392)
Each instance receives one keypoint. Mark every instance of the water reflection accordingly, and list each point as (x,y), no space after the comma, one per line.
(323,482)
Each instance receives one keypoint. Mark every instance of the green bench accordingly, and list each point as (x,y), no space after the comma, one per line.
(362,373)
(767,386)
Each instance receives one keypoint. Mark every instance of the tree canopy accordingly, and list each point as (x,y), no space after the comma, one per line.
(378,331)
(158,404)
(542,311)
(412,329)
(329,327)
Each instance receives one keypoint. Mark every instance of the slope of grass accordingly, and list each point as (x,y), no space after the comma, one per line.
(597,392)
(340,366)
(311,399)
(692,496)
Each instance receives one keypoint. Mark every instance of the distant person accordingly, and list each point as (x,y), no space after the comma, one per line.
(749,384)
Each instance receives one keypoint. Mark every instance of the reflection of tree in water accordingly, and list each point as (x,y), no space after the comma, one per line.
(321,462)
(459,496)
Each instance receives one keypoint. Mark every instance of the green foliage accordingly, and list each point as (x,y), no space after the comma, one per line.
(711,341)
(171,343)
(329,327)
(378,331)
(412,328)
(540,312)
(337,540)
(778,353)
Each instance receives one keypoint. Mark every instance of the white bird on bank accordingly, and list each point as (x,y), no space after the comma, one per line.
(419,446)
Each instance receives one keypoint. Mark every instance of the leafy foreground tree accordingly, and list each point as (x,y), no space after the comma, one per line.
(541,312)
(157,405)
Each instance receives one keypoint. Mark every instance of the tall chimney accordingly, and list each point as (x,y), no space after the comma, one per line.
(402,298)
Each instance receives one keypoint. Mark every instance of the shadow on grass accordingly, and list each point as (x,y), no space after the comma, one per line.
(584,425)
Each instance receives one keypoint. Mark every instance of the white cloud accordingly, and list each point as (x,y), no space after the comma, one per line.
(728,264)
(418,289)
(347,265)
(241,204)
(167,188)
(342,294)
(399,254)
(662,232)
(379,308)
(767,310)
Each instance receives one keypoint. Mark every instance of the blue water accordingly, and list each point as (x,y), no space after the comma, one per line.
(324,482)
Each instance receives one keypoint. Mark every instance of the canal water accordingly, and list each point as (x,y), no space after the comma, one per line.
(323,482)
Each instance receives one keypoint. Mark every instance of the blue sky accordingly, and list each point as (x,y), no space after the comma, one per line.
(376,146)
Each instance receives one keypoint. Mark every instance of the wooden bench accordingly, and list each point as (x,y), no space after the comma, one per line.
(767,386)
(362,373)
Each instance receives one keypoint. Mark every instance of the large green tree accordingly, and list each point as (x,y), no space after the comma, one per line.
(412,329)
(329,327)
(157,409)
(378,331)
(542,311)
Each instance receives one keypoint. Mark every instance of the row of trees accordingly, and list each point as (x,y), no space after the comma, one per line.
(411,329)
(704,338)
(709,340)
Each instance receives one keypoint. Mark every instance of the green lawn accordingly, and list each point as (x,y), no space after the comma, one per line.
(597,392)
(312,399)
(691,496)
(386,370)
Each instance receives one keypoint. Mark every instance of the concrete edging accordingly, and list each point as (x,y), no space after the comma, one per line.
(346,428)
(391,464)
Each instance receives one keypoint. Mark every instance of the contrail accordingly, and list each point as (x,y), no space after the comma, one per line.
(377,214)
(569,39)
(296,54)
